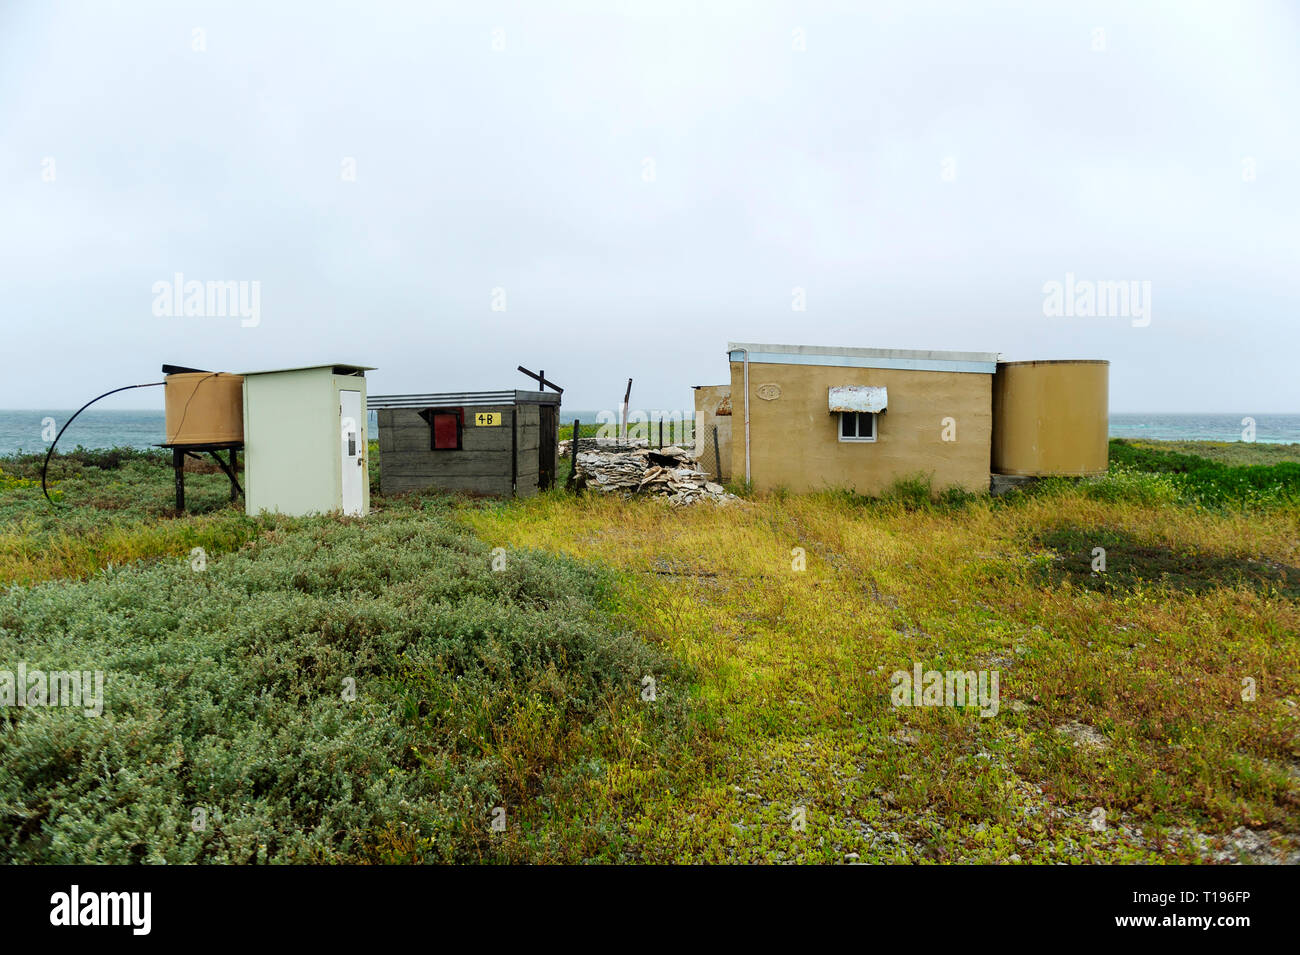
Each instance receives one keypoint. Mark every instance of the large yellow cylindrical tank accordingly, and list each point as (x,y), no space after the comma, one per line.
(204,408)
(1051,417)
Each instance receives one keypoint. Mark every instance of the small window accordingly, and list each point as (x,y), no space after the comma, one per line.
(857,426)
(446,426)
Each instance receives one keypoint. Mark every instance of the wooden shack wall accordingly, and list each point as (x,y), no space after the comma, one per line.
(482,466)
(530,446)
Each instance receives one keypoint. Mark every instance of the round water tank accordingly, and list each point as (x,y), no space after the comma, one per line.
(1051,417)
(204,408)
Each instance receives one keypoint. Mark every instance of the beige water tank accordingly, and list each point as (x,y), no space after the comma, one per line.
(204,408)
(1051,417)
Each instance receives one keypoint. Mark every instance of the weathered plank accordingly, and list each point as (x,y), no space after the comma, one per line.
(405,430)
(482,466)
(495,485)
(433,463)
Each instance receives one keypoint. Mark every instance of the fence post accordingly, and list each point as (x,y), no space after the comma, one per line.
(571,483)
(717,457)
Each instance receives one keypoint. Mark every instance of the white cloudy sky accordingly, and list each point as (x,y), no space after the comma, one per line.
(524,169)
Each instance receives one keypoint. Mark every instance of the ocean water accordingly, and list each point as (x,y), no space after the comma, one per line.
(22,430)
(1269,428)
(30,431)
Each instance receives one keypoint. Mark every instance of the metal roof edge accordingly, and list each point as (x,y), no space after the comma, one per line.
(979,363)
(324,364)
(829,351)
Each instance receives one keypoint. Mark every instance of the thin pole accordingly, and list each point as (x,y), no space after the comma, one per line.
(627,399)
(573,455)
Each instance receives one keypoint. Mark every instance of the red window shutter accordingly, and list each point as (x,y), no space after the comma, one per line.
(445,427)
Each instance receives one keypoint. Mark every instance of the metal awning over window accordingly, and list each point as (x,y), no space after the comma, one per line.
(858,398)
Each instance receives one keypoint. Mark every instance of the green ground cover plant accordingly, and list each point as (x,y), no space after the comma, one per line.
(1209,480)
(227,693)
(768,704)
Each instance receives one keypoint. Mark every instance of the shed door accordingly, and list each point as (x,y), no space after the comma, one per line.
(354,451)
(546,448)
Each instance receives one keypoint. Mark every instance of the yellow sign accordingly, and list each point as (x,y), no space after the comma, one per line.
(487,419)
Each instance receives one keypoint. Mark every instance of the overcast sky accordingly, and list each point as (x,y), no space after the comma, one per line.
(639,183)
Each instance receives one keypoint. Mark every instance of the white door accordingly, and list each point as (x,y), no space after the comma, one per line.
(354,451)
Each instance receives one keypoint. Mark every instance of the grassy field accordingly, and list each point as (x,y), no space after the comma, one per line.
(642,683)
(1224,452)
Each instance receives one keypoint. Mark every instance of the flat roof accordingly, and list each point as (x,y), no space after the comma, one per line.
(467,398)
(912,359)
(336,365)
(1059,361)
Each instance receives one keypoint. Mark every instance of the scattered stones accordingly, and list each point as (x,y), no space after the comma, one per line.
(1247,845)
(906,736)
(1081,734)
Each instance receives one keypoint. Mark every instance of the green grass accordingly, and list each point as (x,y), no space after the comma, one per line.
(794,666)
(112,507)
(584,430)
(1132,564)
(522,688)
(1224,452)
(1210,480)
(474,689)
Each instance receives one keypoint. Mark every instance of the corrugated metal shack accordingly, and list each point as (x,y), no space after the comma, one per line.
(495,443)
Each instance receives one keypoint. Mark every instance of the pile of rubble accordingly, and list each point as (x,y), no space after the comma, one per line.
(602,444)
(669,472)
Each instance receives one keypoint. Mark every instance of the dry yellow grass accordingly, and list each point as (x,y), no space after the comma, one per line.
(793,670)
(29,558)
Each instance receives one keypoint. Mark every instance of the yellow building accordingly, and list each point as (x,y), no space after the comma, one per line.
(713,430)
(807,418)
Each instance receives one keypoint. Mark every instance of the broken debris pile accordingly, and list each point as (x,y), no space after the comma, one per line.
(601,444)
(669,472)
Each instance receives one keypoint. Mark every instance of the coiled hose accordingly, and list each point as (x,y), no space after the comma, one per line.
(45,467)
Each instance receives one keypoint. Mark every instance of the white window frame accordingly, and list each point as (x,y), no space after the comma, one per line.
(839,427)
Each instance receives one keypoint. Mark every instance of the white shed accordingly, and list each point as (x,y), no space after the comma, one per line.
(305,440)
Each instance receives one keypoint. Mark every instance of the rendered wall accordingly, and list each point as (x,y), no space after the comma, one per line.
(708,399)
(795,440)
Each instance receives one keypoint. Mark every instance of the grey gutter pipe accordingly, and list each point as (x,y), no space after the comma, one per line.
(746,351)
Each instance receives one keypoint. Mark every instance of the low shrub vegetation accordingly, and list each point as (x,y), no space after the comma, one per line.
(645,683)
(227,692)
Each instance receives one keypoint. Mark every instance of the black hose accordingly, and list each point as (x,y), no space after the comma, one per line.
(46,465)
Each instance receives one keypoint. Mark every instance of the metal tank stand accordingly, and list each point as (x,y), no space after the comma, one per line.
(230,468)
